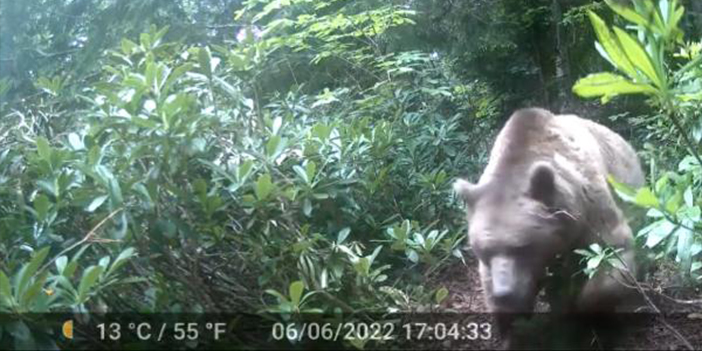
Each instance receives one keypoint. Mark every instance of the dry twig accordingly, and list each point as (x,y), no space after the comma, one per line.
(86,238)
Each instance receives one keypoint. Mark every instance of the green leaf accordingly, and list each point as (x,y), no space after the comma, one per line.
(200,188)
(145,40)
(685,240)
(690,213)
(41,206)
(243,170)
(307,207)
(311,170)
(673,20)
(302,173)
(362,266)
(127,46)
(275,146)
(65,283)
(70,269)
(374,254)
(90,277)
(646,198)
(150,75)
(161,75)
(627,12)
(27,272)
(97,202)
(321,196)
(611,45)
(688,196)
(398,245)
(324,279)
(583,252)
(49,186)
(61,264)
(343,234)
(205,58)
(173,77)
(166,228)
(264,186)
(75,141)
(291,193)
(136,81)
(674,202)
(280,296)
(608,85)
(616,263)
(358,342)
(695,266)
(5,289)
(412,255)
(276,125)
(594,262)
(656,232)
(94,155)
(43,149)
(654,213)
(22,335)
(111,182)
(33,290)
(637,55)
(104,261)
(296,289)
(121,260)
(661,183)
(237,61)
(441,294)
(321,131)
(596,248)
(271,6)
(158,35)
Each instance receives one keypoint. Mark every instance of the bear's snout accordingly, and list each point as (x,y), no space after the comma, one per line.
(511,288)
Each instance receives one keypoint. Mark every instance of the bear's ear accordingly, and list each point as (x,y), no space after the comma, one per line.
(467,191)
(542,184)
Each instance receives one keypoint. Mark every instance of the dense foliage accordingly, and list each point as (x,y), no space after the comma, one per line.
(661,65)
(296,155)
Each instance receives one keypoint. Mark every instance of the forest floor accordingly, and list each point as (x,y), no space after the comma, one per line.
(678,327)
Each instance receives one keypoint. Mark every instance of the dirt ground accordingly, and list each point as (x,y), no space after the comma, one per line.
(677,327)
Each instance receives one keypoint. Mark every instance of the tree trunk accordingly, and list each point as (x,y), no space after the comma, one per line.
(542,63)
(695,8)
(562,61)
(9,14)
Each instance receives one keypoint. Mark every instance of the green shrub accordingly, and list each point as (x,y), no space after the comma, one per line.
(657,63)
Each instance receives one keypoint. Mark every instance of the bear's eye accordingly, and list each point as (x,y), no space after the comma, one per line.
(481,252)
(522,251)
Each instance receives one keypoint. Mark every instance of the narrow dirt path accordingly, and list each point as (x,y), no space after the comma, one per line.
(644,330)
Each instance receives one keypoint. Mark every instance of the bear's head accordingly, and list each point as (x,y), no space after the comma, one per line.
(515,229)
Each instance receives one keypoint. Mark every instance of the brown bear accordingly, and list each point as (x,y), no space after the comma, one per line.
(543,194)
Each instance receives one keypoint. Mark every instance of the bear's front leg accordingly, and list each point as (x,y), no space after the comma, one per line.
(611,286)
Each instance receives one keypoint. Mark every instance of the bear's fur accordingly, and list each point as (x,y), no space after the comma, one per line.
(544,193)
